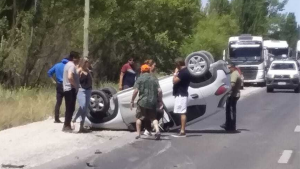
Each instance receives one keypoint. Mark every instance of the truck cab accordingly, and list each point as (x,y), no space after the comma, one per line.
(248,53)
(298,50)
(277,50)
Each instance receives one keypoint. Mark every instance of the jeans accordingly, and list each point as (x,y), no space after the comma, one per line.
(83,98)
(59,98)
(70,101)
(231,112)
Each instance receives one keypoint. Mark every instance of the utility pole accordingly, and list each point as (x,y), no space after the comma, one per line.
(86,29)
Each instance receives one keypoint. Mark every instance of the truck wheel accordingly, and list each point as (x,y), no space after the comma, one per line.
(197,64)
(297,90)
(270,90)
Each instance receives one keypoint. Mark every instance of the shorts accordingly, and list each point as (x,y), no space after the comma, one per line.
(180,105)
(144,113)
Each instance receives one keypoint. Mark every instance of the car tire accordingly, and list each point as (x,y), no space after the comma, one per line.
(100,97)
(110,91)
(197,64)
(270,90)
(209,55)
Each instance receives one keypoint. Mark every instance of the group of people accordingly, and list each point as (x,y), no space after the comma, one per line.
(73,82)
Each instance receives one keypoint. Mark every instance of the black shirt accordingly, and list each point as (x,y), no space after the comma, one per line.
(181,88)
(86,81)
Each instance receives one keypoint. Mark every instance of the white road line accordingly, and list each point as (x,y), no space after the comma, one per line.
(285,157)
(297,129)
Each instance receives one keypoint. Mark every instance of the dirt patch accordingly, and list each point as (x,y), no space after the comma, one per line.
(37,143)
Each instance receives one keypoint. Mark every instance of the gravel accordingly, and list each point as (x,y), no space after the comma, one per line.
(38,143)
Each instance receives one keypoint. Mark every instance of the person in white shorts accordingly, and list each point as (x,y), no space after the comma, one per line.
(181,83)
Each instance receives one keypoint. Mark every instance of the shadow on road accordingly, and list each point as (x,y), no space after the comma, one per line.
(216,131)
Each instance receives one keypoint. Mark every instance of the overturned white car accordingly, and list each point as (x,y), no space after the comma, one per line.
(208,92)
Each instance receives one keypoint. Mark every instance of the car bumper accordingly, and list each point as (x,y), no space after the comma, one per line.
(255,81)
(283,83)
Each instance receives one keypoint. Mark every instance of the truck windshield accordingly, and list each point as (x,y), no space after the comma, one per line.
(283,66)
(246,53)
(278,52)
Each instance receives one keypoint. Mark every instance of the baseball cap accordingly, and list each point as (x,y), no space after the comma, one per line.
(145,68)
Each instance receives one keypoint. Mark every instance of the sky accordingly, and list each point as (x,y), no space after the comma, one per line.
(292,6)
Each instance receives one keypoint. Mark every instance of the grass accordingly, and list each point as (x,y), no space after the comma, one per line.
(24,105)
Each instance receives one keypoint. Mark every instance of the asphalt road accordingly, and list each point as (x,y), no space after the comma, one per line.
(266,139)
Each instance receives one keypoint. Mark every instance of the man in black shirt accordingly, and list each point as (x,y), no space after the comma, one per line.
(181,83)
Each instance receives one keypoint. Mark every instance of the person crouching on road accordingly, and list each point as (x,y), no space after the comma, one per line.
(70,85)
(230,124)
(84,93)
(147,87)
(58,70)
(147,123)
(181,81)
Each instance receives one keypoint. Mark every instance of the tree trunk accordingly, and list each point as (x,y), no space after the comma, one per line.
(86,29)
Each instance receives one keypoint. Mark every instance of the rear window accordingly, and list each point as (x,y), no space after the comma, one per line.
(283,66)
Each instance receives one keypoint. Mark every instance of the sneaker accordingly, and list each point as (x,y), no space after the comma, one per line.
(147,133)
(67,129)
(223,126)
(157,136)
(84,130)
(137,137)
(179,135)
(57,121)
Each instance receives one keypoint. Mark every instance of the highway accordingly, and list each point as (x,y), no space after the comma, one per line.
(268,137)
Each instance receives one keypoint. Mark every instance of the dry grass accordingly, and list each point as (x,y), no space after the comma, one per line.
(23,106)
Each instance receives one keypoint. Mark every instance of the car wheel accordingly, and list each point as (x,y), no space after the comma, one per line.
(197,64)
(270,90)
(110,91)
(99,102)
(209,55)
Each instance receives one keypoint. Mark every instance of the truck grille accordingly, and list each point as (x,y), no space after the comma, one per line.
(249,73)
(282,76)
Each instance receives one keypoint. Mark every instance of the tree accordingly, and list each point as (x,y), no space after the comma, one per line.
(289,30)
(251,15)
(221,7)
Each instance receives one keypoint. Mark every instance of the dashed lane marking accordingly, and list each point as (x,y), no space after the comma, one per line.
(297,129)
(285,157)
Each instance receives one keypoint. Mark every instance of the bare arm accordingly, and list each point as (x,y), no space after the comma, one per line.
(135,93)
(121,81)
(175,78)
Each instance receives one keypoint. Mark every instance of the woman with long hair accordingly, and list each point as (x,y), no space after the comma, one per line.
(84,92)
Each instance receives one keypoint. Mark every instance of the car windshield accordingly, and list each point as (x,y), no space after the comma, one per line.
(278,52)
(245,53)
(283,66)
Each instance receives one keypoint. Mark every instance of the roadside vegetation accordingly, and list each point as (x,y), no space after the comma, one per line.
(34,36)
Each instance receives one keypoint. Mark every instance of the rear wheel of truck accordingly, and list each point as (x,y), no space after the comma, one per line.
(270,90)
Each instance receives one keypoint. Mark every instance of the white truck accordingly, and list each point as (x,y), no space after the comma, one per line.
(248,53)
(277,50)
(298,50)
